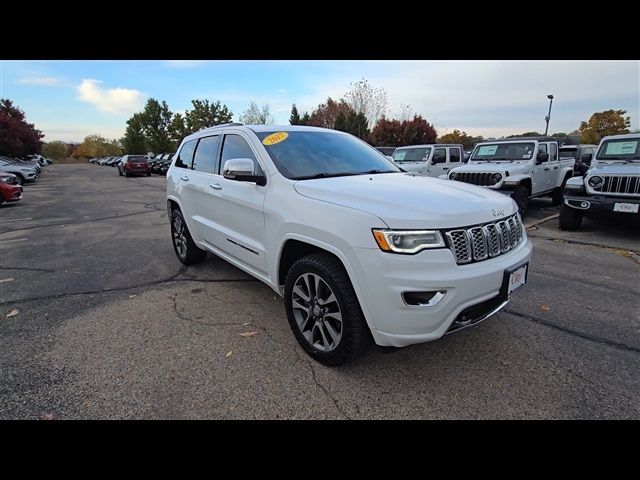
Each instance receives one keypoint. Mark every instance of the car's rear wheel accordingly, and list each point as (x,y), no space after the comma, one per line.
(323,310)
(521,197)
(570,219)
(184,246)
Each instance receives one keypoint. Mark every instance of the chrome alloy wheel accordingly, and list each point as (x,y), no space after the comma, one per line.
(317,312)
(179,237)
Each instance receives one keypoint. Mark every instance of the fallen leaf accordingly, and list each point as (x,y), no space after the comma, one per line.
(6,280)
(248,334)
(13,313)
(228,353)
(232,408)
(505,363)
(545,307)
(47,416)
(589,307)
(246,323)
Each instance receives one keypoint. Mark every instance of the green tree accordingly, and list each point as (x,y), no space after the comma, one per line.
(305,119)
(255,115)
(526,134)
(294,119)
(156,119)
(134,139)
(97,146)
(463,138)
(559,134)
(352,122)
(601,124)
(205,114)
(56,150)
(177,130)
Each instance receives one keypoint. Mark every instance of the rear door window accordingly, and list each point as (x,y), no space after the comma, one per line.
(205,156)
(454,155)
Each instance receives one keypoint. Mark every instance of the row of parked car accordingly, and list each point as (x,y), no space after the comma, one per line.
(16,172)
(129,165)
(530,167)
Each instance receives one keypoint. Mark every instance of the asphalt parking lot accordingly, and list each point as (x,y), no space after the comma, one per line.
(111,325)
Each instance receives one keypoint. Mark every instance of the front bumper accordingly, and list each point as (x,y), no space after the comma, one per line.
(597,203)
(394,323)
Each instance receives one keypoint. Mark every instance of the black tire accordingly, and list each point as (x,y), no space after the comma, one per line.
(521,197)
(570,218)
(355,334)
(558,193)
(190,254)
(119,172)
(20,178)
(148,174)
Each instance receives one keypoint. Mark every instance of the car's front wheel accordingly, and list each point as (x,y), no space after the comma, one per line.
(20,179)
(570,219)
(558,193)
(323,310)
(184,246)
(521,197)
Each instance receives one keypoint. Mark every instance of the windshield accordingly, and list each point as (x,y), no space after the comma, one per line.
(411,154)
(622,149)
(566,152)
(503,151)
(302,155)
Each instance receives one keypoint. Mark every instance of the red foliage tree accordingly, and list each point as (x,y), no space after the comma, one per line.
(325,114)
(394,133)
(17,137)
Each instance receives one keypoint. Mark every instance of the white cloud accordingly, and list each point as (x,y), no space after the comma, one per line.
(281,90)
(41,81)
(112,100)
(184,63)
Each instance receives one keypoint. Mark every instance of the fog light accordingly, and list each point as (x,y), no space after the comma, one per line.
(423,299)
(584,204)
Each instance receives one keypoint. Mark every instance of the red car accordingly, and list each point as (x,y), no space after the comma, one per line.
(10,189)
(134,165)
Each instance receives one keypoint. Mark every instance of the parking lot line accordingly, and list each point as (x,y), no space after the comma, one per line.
(17,219)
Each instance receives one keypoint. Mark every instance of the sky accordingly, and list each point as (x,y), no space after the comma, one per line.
(68,100)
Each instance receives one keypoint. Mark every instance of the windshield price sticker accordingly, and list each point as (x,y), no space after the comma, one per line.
(275,138)
(621,148)
(487,150)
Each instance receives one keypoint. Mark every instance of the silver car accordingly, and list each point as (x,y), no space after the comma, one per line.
(23,170)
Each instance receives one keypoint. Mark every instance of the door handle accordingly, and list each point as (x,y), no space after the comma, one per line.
(445,168)
(216,186)
(184,179)
(547,169)
(555,168)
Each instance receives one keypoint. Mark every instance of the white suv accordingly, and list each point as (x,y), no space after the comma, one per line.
(359,249)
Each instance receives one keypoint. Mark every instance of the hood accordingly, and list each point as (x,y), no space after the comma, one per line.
(614,168)
(407,201)
(485,167)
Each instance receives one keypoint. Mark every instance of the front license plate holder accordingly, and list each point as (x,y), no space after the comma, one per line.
(514,279)
(625,207)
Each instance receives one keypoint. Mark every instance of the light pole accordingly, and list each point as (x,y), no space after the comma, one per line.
(548,117)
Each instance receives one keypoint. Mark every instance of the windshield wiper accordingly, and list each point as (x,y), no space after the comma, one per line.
(325,175)
(376,171)
(620,158)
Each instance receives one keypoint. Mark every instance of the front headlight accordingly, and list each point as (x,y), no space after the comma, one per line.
(496,177)
(453,175)
(407,241)
(596,181)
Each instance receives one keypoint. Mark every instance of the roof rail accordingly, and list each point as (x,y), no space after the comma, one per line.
(231,124)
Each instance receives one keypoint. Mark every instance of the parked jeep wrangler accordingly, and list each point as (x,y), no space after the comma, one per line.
(610,186)
(430,160)
(524,168)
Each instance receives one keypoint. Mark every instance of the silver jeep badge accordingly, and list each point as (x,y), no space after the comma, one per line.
(497,213)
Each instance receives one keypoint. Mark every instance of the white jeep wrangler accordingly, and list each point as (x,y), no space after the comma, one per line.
(432,160)
(610,186)
(524,168)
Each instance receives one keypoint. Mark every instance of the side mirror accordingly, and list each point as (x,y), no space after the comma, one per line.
(389,157)
(241,169)
(586,158)
(541,158)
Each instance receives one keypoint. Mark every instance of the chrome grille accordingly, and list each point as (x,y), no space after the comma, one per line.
(484,241)
(482,179)
(618,185)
